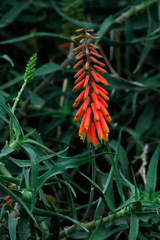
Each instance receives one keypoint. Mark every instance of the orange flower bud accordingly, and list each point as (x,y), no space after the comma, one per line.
(108,118)
(103,123)
(99,130)
(96,101)
(102,79)
(86,92)
(103,95)
(93,45)
(80,77)
(95,87)
(87,51)
(82,40)
(88,118)
(78,37)
(89,135)
(103,110)
(103,102)
(79,55)
(77,48)
(93,50)
(95,112)
(94,75)
(100,69)
(80,97)
(86,80)
(90,30)
(93,133)
(93,59)
(79,72)
(80,111)
(86,102)
(82,130)
(80,30)
(96,54)
(102,89)
(87,66)
(78,64)
(78,86)
(93,37)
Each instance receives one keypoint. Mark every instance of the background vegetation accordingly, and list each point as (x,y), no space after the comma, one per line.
(47,175)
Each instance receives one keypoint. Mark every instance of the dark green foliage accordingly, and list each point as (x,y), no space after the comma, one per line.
(46,172)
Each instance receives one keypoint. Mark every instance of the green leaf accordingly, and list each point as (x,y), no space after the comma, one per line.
(141,237)
(6,150)
(11,15)
(152,172)
(34,173)
(133,231)
(7,58)
(12,224)
(104,27)
(47,68)
(17,127)
(99,233)
(75,21)
(37,101)
(34,35)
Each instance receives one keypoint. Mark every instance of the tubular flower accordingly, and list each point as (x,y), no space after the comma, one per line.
(93,97)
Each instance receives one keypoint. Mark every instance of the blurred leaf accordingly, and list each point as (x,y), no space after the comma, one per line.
(7,58)
(10,16)
(104,27)
(37,101)
(152,172)
(133,231)
(34,35)
(12,224)
(47,68)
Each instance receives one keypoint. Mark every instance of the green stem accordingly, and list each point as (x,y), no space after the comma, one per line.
(134,10)
(18,96)
(92,188)
(93,224)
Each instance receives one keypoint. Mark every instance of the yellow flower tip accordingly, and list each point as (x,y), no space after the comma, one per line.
(86,127)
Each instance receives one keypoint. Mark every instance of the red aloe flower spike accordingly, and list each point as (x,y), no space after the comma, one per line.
(104,125)
(78,64)
(95,112)
(103,110)
(96,54)
(80,97)
(94,75)
(100,69)
(103,95)
(89,135)
(82,70)
(86,102)
(86,80)
(80,77)
(87,66)
(94,85)
(86,92)
(99,130)
(108,118)
(82,130)
(93,50)
(102,89)
(79,55)
(93,133)
(93,37)
(93,45)
(78,85)
(88,118)
(102,78)
(77,48)
(96,101)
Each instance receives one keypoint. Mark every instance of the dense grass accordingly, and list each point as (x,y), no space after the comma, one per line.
(52,185)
